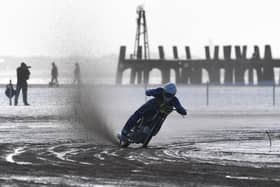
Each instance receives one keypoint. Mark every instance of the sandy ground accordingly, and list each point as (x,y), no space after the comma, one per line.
(67,138)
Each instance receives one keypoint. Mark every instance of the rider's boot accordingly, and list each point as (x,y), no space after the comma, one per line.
(123,136)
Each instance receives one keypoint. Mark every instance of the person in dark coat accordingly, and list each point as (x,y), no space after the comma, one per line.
(23,74)
(77,74)
(54,74)
(10,91)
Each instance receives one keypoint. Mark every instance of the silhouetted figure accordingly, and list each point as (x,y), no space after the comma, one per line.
(255,56)
(77,74)
(54,74)
(23,74)
(10,91)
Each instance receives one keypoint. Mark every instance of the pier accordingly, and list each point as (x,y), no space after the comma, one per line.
(189,71)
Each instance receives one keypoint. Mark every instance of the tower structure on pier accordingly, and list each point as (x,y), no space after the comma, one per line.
(141,38)
(141,47)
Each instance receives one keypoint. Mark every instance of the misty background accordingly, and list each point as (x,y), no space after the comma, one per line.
(90,32)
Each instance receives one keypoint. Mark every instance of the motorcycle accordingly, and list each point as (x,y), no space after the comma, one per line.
(143,130)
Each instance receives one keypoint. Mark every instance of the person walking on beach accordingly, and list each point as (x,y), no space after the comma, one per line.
(77,74)
(23,74)
(54,74)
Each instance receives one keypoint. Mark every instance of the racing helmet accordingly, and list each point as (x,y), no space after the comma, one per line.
(170,89)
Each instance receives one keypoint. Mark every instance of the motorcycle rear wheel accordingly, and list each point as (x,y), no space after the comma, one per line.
(124,144)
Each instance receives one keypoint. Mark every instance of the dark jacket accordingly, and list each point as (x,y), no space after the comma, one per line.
(174,102)
(54,71)
(77,71)
(151,107)
(23,74)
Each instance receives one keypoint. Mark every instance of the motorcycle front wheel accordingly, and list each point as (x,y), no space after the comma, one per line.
(147,141)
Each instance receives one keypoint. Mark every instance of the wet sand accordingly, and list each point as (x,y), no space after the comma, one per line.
(51,146)
(82,164)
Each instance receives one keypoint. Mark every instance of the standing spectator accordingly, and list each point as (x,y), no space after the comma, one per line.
(23,74)
(10,91)
(77,74)
(54,74)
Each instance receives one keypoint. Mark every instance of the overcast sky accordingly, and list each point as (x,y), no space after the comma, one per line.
(99,27)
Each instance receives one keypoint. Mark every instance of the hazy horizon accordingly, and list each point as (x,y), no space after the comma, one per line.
(98,28)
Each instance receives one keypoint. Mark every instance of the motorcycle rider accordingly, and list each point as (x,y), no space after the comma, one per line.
(164,101)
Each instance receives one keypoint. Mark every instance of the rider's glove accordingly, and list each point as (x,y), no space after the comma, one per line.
(169,109)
